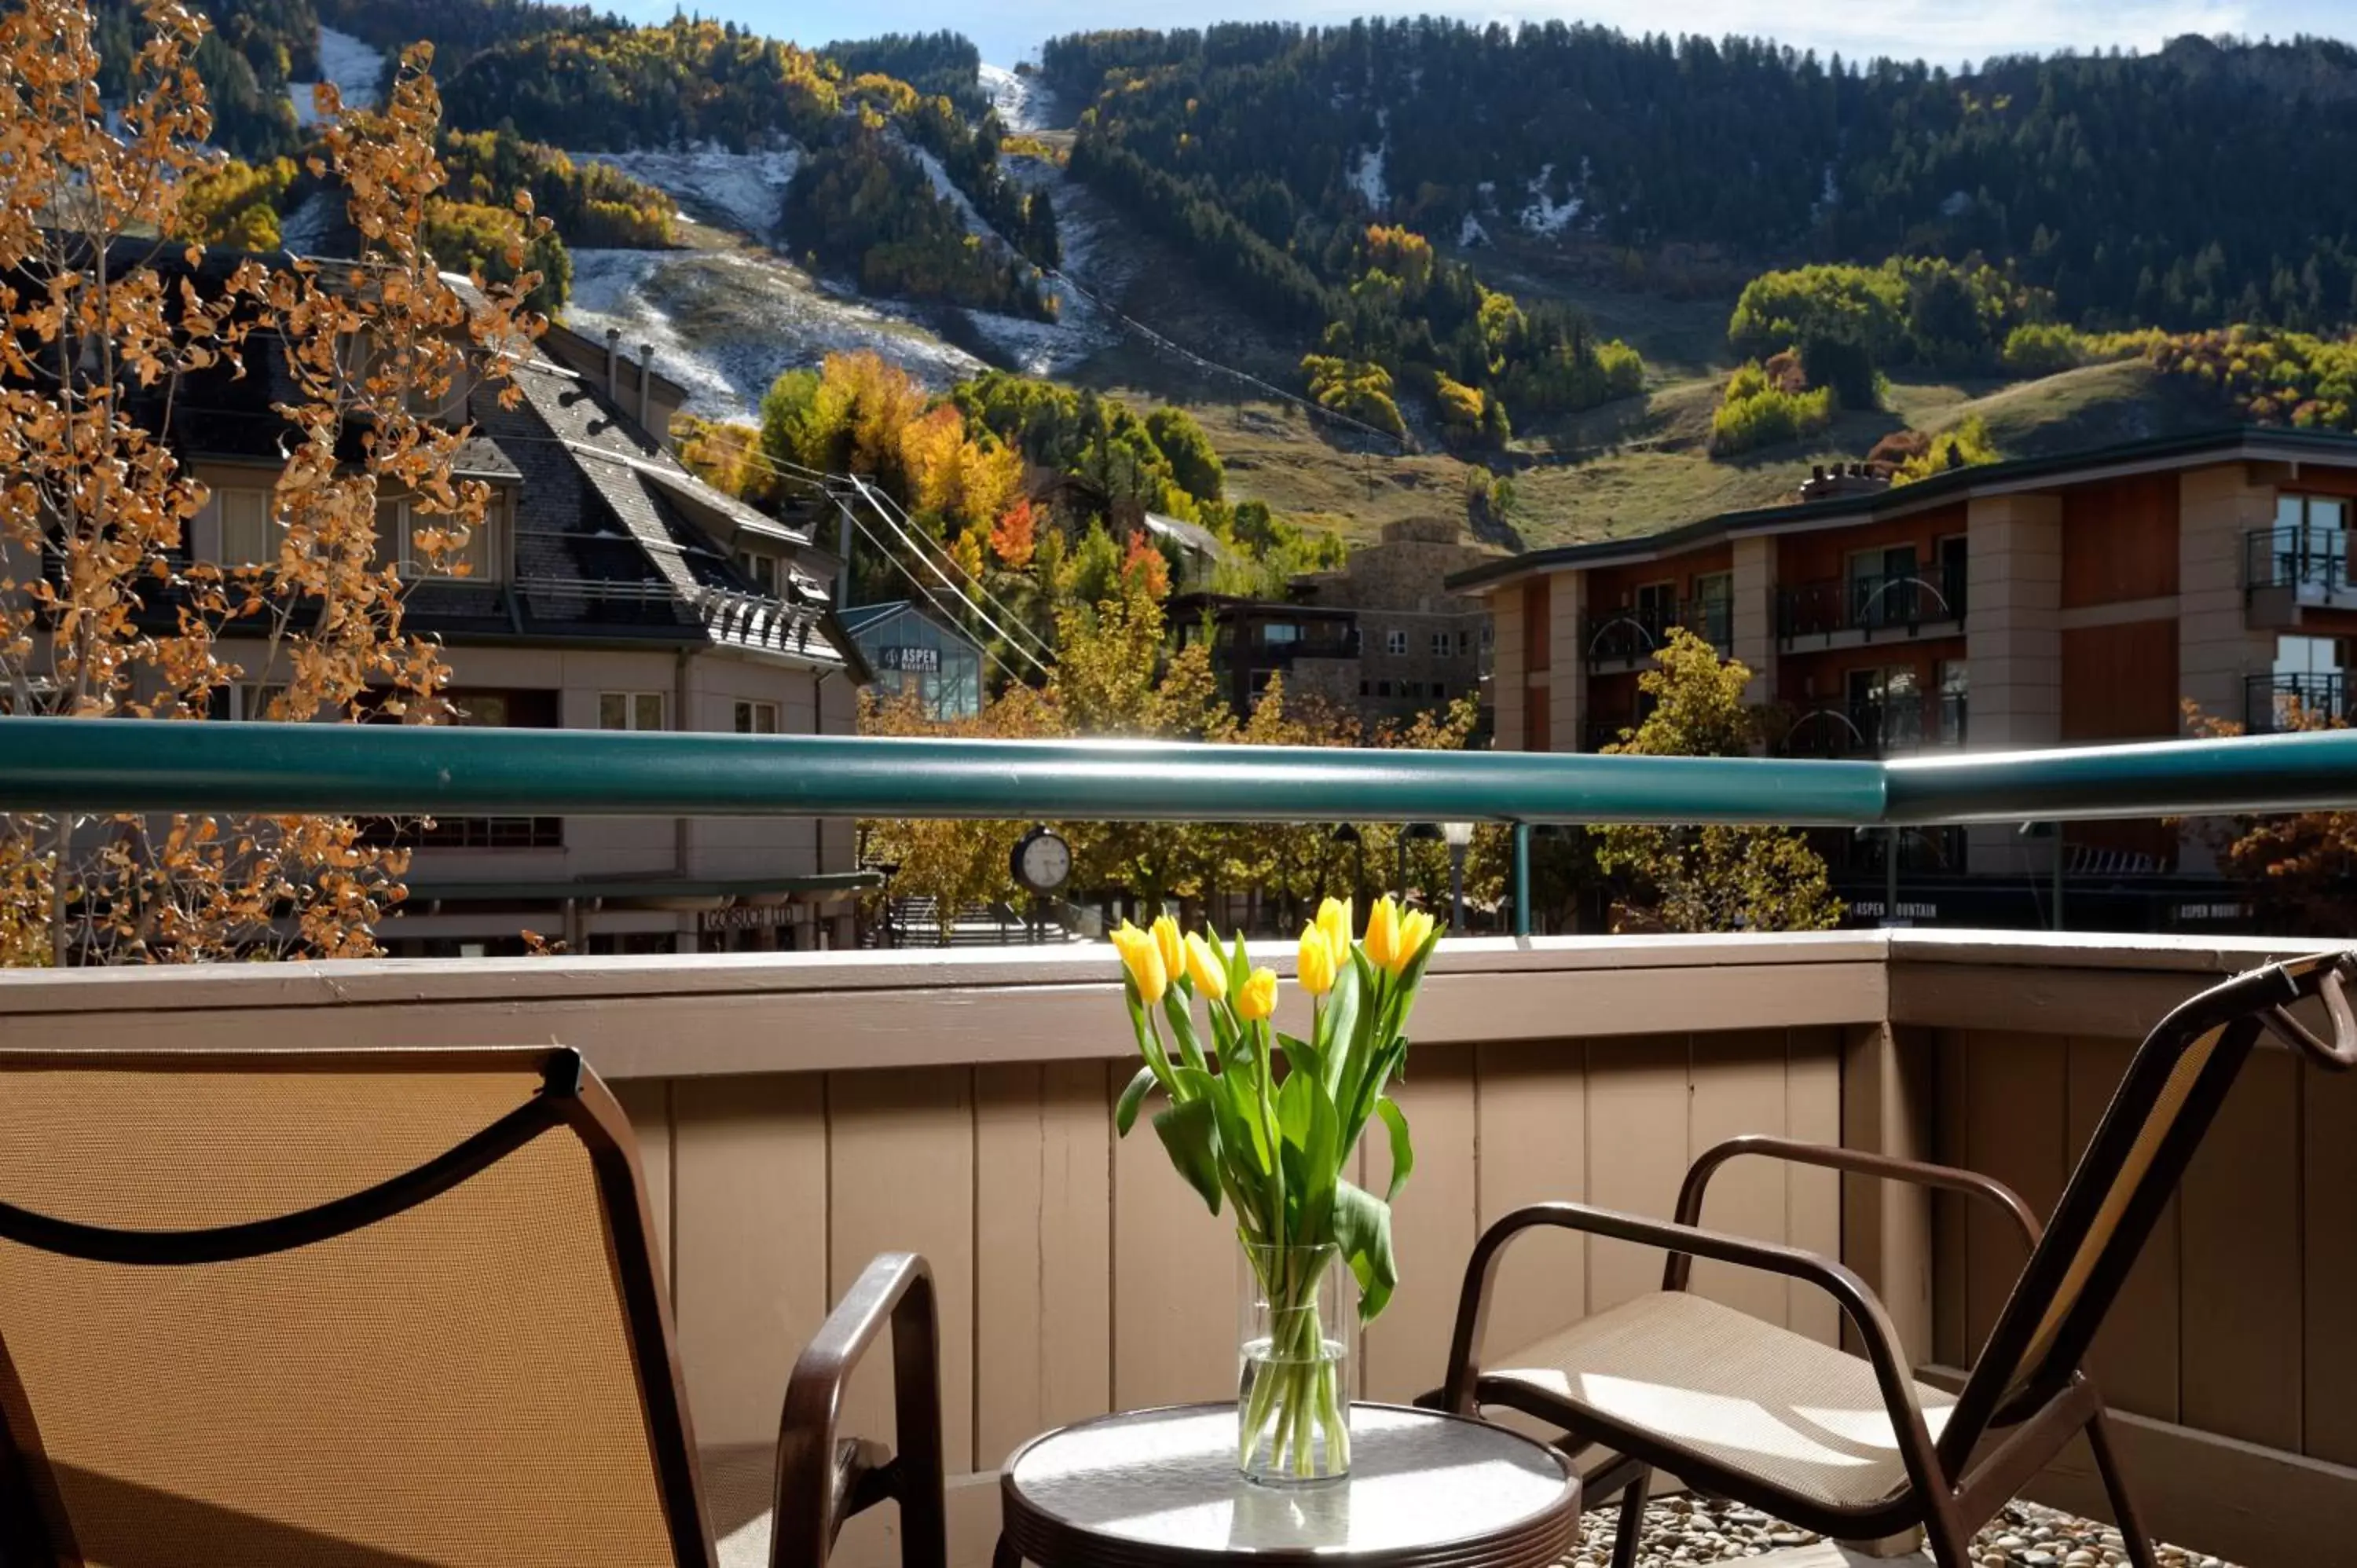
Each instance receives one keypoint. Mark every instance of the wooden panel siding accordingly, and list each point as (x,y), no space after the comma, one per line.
(798,1112)
(1615,587)
(2119,540)
(2119,683)
(1822,554)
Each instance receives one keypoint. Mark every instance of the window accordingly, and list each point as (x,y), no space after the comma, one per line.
(247,537)
(1279,634)
(2310,543)
(1882,587)
(762,570)
(1886,707)
(1715,606)
(1464,643)
(1383,688)
(1953,561)
(633,710)
(757,718)
(483,559)
(1955,688)
(244,702)
(1396,643)
(1657,605)
(1440,645)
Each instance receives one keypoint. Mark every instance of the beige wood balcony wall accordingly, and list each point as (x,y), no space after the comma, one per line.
(800,1112)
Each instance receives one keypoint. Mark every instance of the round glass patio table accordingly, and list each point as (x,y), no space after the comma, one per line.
(1159,1488)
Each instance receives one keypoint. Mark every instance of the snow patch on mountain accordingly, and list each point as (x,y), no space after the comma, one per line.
(1022,102)
(745,190)
(1470,233)
(1367,171)
(725,323)
(1542,215)
(354,67)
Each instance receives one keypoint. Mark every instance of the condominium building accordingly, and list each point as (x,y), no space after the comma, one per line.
(607,588)
(2095,597)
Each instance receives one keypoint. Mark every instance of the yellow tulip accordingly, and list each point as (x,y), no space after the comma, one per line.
(1334,920)
(1205,968)
(1141,956)
(1316,966)
(1415,929)
(1383,934)
(1258,997)
(1167,942)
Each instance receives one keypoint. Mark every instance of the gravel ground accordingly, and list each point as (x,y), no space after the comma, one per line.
(1681,1530)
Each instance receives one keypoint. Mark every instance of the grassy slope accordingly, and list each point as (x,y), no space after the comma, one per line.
(1633,466)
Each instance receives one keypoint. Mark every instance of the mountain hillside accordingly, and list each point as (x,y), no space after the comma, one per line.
(1400,270)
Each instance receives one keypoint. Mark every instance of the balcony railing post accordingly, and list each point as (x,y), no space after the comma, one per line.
(1521,837)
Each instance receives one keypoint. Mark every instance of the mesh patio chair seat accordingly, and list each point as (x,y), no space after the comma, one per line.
(1856,1447)
(382,1309)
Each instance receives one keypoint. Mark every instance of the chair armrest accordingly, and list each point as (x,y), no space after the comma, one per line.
(2342,1054)
(818,1484)
(1857,1303)
(1857,1162)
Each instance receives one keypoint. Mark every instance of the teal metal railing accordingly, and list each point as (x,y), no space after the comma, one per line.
(126,765)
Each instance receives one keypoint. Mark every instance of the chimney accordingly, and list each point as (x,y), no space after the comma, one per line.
(613,352)
(646,385)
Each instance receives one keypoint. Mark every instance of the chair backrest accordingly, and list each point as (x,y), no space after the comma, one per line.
(341,1309)
(2157,1120)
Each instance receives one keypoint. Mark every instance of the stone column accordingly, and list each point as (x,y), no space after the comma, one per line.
(1567,697)
(2216,510)
(1755,616)
(1508,668)
(2013,641)
(2217,650)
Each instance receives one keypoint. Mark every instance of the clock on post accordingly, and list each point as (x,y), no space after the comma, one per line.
(1042,860)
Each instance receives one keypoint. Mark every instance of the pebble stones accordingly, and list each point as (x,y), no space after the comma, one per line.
(1686,1529)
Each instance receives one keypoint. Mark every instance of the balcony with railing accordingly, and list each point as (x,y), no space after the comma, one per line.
(1632,635)
(1930,602)
(2293,567)
(796,1113)
(1893,726)
(2273,704)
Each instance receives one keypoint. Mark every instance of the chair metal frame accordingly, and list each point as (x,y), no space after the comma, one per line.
(819,1481)
(2024,1408)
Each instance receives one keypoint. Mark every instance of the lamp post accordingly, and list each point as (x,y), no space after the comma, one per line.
(1423,833)
(1344,832)
(1459,836)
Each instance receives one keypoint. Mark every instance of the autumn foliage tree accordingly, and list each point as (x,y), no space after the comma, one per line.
(110,317)
(2302,869)
(1708,877)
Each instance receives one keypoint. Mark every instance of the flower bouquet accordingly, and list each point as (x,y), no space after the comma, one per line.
(1267,1122)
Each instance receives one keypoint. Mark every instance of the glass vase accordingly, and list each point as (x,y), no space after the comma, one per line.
(1293,1375)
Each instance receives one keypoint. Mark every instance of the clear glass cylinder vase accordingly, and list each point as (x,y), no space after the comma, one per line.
(1293,1374)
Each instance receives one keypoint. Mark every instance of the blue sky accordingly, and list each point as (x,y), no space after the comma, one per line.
(1943,30)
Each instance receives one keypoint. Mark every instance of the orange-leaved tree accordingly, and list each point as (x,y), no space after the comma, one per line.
(114,316)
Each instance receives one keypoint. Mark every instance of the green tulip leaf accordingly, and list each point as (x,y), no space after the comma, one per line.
(1190,1133)
(1124,1109)
(1363,1230)
(1182,1026)
(1403,1152)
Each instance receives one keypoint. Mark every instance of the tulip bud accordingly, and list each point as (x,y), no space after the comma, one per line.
(1142,957)
(1415,929)
(1334,920)
(1257,998)
(1167,943)
(1205,968)
(1383,934)
(1316,966)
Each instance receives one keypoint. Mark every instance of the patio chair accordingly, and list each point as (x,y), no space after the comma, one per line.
(382,1309)
(1858,1449)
